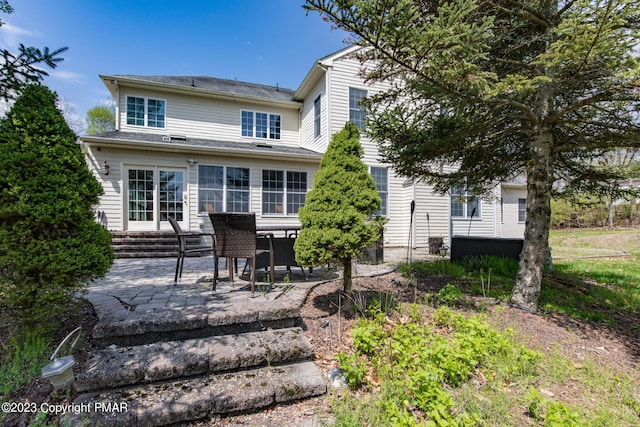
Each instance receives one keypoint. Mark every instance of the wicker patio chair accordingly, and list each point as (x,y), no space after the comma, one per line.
(185,247)
(236,237)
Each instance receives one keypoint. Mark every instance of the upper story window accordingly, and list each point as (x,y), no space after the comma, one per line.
(283,192)
(317,124)
(522,210)
(357,113)
(223,189)
(145,112)
(261,125)
(464,204)
(381,178)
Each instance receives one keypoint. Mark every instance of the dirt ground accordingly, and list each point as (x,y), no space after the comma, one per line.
(327,324)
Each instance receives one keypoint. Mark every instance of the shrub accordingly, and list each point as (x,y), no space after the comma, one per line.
(50,245)
(335,224)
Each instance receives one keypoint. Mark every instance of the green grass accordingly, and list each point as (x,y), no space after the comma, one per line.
(486,276)
(501,389)
(596,288)
(22,359)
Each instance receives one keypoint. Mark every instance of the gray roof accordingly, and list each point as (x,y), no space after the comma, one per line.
(181,143)
(215,85)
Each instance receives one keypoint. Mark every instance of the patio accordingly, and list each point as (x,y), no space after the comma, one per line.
(138,296)
(161,345)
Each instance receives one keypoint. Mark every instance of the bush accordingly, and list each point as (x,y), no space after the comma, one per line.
(50,245)
(335,219)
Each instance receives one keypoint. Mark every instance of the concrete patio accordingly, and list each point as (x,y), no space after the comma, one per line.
(177,353)
(137,291)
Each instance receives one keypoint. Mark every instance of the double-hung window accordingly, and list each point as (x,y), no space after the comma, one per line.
(261,125)
(145,112)
(357,113)
(464,204)
(317,117)
(380,176)
(223,189)
(283,192)
(522,210)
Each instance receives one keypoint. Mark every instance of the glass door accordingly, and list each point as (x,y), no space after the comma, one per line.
(153,195)
(171,197)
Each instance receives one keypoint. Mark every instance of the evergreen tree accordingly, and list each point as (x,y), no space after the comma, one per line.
(335,219)
(21,69)
(497,89)
(50,244)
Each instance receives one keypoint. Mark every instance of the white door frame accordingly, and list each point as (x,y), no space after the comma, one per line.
(152,214)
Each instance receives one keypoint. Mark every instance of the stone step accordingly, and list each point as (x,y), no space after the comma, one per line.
(145,244)
(127,366)
(222,316)
(198,398)
(145,254)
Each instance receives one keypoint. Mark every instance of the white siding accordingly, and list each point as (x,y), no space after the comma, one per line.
(437,225)
(307,137)
(511,227)
(112,203)
(198,117)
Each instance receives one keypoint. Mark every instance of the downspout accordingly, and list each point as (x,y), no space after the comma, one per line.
(117,123)
(327,87)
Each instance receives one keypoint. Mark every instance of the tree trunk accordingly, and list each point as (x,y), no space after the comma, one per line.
(539,170)
(536,235)
(346,275)
(610,211)
(632,207)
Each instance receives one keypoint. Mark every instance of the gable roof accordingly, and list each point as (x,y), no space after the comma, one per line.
(319,68)
(225,88)
(202,85)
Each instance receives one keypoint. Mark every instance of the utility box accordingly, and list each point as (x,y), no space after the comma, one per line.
(434,245)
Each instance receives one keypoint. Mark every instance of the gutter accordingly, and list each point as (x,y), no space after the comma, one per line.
(249,152)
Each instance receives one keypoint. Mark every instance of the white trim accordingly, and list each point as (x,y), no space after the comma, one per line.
(254,134)
(224,187)
(285,198)
(146,111)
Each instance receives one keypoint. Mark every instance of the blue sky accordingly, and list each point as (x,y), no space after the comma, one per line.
(261,41)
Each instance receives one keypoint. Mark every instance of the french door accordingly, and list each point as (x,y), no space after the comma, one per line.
(154,194)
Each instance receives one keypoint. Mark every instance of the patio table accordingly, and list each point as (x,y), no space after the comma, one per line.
(283,255)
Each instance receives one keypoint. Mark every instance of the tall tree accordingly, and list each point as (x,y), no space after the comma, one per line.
(499,88)
(100,119)
(336,219)
(17,70)
(50,243)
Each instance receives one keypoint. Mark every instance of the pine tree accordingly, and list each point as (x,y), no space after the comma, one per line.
(18,70)
(50,244)
(497,89)
(335,219)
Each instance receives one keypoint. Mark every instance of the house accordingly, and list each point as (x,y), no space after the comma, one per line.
(186,146)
